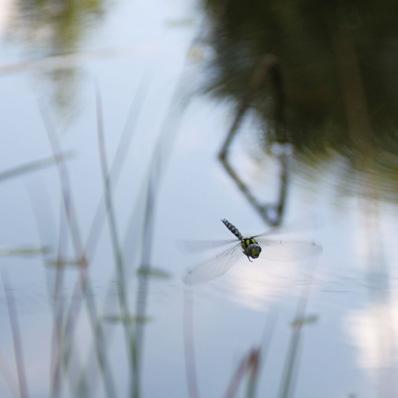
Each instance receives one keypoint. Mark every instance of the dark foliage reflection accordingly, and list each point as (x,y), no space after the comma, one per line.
(47,29)
(338,66)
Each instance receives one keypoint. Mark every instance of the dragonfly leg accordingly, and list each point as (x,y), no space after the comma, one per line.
(248,257)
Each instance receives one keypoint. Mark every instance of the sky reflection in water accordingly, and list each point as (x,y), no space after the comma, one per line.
(328,90)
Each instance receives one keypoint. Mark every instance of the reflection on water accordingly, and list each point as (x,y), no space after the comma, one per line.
(47,28)
(52,27)
(321,78)
(311,133)
(335,91)
(372,331)
(260,283)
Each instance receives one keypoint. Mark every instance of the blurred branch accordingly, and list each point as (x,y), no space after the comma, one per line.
(261,71)
(117,164)
(271,214)
(16,336)
(122,293)
(292,358)
(8,376)
(288,380)
(168,135)
(267,67)
(189,344)
(142,291)
(113,175)
(55,287)
(59,310)
(252,363)
(262,354)
(84,282)
(249,365)
(34,166)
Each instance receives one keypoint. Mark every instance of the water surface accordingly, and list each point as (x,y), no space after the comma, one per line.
(268,115)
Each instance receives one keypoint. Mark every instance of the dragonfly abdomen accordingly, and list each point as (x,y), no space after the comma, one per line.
(232,228)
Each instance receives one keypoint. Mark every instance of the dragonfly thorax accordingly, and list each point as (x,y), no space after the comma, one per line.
(251,248)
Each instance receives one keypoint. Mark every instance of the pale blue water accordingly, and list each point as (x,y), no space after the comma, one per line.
(350,349)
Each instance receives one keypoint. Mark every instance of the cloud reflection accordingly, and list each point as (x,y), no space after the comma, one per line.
(255,285)
(372,331)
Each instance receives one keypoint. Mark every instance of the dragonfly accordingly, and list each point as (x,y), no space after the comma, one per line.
(252,247)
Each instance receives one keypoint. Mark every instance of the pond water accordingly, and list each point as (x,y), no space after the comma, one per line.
(270,115)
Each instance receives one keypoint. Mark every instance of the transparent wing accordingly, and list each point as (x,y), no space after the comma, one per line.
(214,267)
(272,231)
(203,245)
(286,250)
(297,226)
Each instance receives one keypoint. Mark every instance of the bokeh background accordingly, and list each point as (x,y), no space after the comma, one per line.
(131,127)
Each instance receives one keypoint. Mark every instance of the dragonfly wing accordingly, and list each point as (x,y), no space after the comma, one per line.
(272,231)
(203,245)
(284,229)
(285,250)
(213,268)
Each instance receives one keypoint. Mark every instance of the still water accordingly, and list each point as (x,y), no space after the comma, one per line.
(165,117)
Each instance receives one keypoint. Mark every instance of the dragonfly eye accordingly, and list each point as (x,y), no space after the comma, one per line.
(254,250)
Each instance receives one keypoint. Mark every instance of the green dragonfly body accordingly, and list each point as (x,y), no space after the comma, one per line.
(251,248)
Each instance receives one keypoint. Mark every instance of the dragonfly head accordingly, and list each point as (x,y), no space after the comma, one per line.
(253,250)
